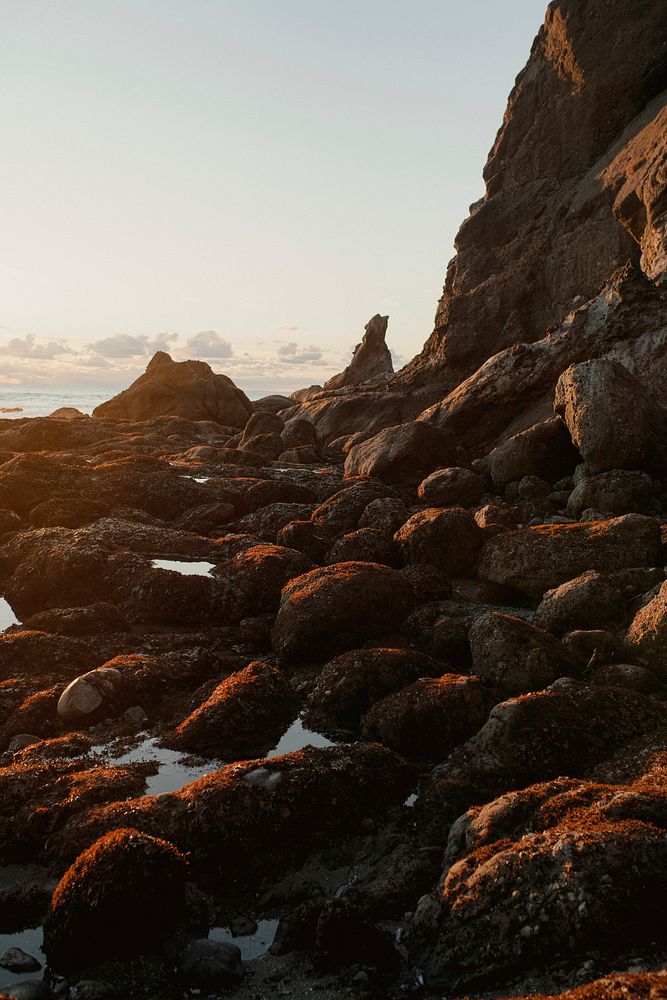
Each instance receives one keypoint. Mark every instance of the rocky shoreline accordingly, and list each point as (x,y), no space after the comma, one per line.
(362,692)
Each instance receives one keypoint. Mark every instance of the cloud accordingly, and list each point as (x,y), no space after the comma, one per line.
(123,345)
(292,354)
(208,344)
(94,361)
(288,327)
(27,347)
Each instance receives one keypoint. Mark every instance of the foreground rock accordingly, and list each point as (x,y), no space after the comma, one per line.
(579,868)
(536,559)
(349,684)
(514,657)
(564,730)
(120,897)
(275,810)
(331,608)
(183,389)
(611,417)
(246,709)
(402,454)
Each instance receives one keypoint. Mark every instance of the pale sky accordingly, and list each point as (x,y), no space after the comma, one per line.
(241,181)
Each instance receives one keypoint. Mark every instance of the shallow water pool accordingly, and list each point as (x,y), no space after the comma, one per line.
(7,616)
(184,567)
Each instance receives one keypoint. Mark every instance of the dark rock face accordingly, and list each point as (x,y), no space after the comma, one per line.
(182,389)
(562,207)
(371,358)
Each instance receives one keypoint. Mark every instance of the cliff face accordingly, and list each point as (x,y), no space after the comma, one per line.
(575,187)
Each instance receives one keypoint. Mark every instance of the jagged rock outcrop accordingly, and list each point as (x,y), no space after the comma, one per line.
(574,186)
(371,358)
(189,389)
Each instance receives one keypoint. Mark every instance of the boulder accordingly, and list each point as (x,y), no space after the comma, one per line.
(402,454)
(543,450)
(210,965)
(332,608)
(426,719)
(187,389)
(538,558)
(451,488)
(446,538)
(349,684)
(371,359)
(341,511)
(259,423)
(365,545)
(647,635)
(552,872)
(615,492)
(612,419)
(299,434)
(119,898)
(248,710)
(514,657)
(565,730)
(276,811)
(594,599)
(385,514)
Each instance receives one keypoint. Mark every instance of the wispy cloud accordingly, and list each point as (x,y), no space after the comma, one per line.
(124,345)
(208,344)
(30,347)
(293,354)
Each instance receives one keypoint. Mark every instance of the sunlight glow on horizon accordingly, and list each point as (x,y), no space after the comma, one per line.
(243,183)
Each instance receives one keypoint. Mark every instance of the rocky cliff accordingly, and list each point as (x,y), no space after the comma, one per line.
(575,186)
(575,192)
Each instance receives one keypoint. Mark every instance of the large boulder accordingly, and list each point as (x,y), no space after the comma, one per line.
(587,875)
(330,609)
(543,450)
(615,492)
(647,634)
(402,454)
(371,359)
(451,488)
(594,599)
(349,684)
(120,898)
(183,389)
(445,537)
(514,657)
(427,718)
(250,707)
(612,419)
(538,558)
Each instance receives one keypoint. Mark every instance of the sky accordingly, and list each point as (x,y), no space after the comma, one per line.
(242,181)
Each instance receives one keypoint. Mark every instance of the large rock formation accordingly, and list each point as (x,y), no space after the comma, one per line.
(371,359)
(189,389)
(574,186)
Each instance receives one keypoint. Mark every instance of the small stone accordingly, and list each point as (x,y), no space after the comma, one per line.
(242,926)
(210,964)
(17,960)
(21,741)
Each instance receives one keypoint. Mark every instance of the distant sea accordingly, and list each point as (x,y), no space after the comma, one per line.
(41,402)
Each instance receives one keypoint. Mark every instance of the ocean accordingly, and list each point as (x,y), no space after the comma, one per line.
(40,402)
